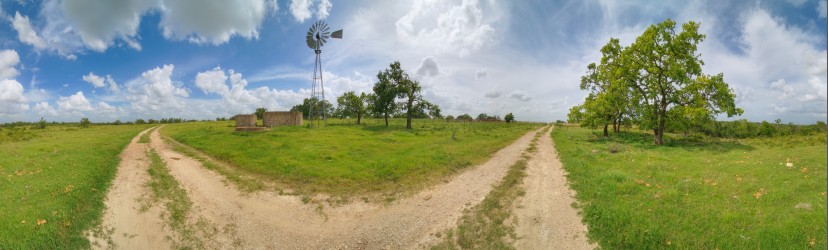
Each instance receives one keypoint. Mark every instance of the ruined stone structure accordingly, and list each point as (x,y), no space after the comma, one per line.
(282,118)
(245,121)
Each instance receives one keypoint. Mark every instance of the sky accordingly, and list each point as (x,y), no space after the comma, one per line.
(203,59)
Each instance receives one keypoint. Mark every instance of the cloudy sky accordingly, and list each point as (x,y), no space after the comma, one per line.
(202,59)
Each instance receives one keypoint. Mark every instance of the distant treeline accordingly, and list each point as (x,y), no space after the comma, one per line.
(745,129)
(85,121)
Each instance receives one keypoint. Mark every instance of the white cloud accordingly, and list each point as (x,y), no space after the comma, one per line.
(212,21)
(428,67)
(74,104)
(97,81)
(8,60)
(44,109)
(520,95)
(462,28)
(72,26)
(237,99)
(212,81)
(323,9)
(786,91)
(822,8)
(100,82)
(25,32)
(104,109)
(12,100)
(300,9)
(154,93)
(273,5)
(99,23)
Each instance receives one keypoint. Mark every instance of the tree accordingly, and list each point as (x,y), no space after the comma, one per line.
(140,121)
(509,118)
(449,118)
(84,122)
(315,104)
(410,91)
(260,113)
(41,124)
(465,118)
(351,104)
(385,90)
(607,101)
(576,114)
(655,81)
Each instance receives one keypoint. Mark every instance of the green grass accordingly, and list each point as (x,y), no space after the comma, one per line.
(145,138)
(348,160)
(698,193)
(59,175)
(488,225)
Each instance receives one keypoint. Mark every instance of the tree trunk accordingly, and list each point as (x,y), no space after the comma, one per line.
(386,119)
(408,118)
(605,130)
(359,118)
(658,135)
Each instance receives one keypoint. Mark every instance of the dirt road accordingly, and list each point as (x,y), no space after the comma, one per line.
(268,220)
(127,222)
(546,219)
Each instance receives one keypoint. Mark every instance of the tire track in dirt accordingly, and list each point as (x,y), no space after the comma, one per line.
(268,220)
(127,221)
(546,218)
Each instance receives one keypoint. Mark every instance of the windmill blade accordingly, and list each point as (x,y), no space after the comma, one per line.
(337,34)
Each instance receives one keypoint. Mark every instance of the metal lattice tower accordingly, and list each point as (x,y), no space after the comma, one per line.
(317,36)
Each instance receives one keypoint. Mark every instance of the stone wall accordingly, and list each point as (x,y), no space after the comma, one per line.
(245,120)
(282,118)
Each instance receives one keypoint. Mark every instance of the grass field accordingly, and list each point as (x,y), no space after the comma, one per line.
(348,160)
(53,182)
(698,193)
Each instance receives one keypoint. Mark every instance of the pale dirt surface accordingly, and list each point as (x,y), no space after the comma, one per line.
(267,220)
(546,219)
(133,228)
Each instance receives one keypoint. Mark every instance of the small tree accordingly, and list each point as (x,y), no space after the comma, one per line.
(84,122)
(385,90)
(449,118)
(509,118)
(260,113)
(140,121)
(351,104)
(41,124)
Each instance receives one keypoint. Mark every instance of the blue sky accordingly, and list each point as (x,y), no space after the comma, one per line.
(202,59)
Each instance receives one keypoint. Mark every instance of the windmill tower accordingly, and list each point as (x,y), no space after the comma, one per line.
(317,36)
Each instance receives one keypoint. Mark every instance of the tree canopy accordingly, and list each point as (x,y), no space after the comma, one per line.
(652,82)
(352,105)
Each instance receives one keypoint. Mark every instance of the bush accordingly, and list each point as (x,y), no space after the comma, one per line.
(84,122)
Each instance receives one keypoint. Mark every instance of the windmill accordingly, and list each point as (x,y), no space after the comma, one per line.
(317,36)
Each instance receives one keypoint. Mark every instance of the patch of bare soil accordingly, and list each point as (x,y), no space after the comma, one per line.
(546,219)
(268,220)
(128,221)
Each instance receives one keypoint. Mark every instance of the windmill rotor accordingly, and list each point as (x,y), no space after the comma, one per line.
(319,33)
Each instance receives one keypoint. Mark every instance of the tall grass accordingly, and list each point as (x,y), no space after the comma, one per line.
(53,182)
(698,193)
(343,159)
